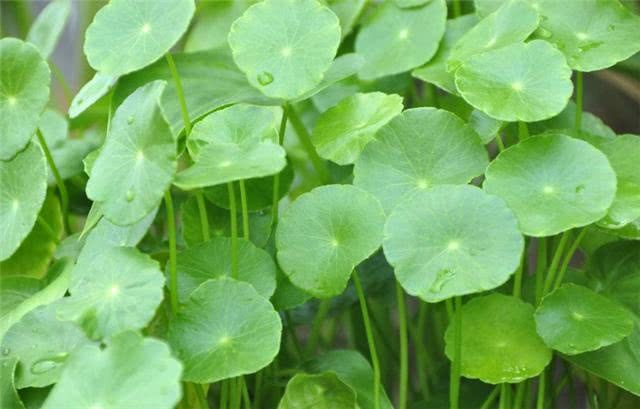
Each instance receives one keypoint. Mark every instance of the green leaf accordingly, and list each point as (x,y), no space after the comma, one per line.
(499,340)
(117,290)
(348,12)
(512,23)
(131,372)
(486,127)
(452,240)
(24,187)
(342,67)
(592,34)
(212,259)
(137,162)
(41,343)
(9,398)
(235,143)
(24,80)
(210,81)
(16,289)
(287,296)
(320,391)
(284,50)
(225,329)
(419,148)
(435,71)
(48,26)
(553,183)
(36,250)
(410,3)
(212,24)
(519,82)
(342,132)
(125,36)
(567,119)
(352,369)
(574,319)
(97,87)
(395,40)
(325,234)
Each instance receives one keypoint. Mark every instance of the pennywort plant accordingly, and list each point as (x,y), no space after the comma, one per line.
(318,204)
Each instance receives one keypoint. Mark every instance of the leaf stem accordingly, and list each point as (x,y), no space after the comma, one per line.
(521,390)
(517,279)
(454,380)
(305,140)
(555,262)
(499,142)
(541,388)
(457,9)
(202,210)
(568,257)
(488,403)
(62,188)
(293,336)
(234,230)
(312,343)
(523,131)
(276,177)
(173,272)
(505,396)
(578,100)
(370,339)
(245,210)
(541,266)
(404,348)
(422,353)
(180,92)
(224,393)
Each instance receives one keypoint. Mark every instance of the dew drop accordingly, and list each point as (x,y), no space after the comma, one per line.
(265,78)
(442,278)
(580,189)
(48,364)
(5,351)
(544,33)
(611,27)
(130,120)
(129,195)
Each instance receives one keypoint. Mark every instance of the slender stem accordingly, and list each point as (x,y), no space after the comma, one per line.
(517,279)
(257,389)
(245,395)
(555,261)
(568,257)
(404,348)
(454,380)
(541,266)
(578,100)
(523,131)
(505,396)
(48,229)
(23,16)
(521,390)
(245,210)
(457,9)
(488,403)
(234,230)
(370,339)
(448,304)
(293,336)
(422,352)
(202,210)
(276,177)
(180,92)
(173,271)
(233,393)
(318,320)
(499,142)
(541,388)
(62,188)
(305,140)
(64,85)
(199,391)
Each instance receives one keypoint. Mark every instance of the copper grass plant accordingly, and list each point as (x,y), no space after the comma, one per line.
(319,204)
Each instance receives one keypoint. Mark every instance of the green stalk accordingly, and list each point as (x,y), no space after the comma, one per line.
(521,390)
(318,320)
(568,257)
(245,395)
(555,262)
(457,9)
(541,266)
(517,279)
(234,230)
(499,142)
(276,177)
(202,211)
(541,388)
(578,100)
(257,389)
(181,99)
(47,229)
(505,396)
(523,131)
(305,140)
(245,210)
(370,339)
(454,379)
(173,272)
(199,392)
(404,348)
(488,403)
(422,352)
(62,188)
(292,334)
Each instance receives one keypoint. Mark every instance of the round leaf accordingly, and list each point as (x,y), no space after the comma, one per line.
(131,372)
(395,39)
(24,81)
(519,82)
(212,259)
(136,164)
(553,183)
(419,148)
(117,290)
(452,240)
(343,131)
(325,234)
(48,26)
(592,34)
(319,391)
(239,142)
(499,340)
(574,319)
(41,343)
(125,35)
(225,329)
(24,187)
(285,48)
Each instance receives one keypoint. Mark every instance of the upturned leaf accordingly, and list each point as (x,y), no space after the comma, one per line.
(321,391)
(48,26)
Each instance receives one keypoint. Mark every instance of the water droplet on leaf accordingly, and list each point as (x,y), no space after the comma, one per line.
(544,33)
(442,278)
(48,364)
(265,78)
(5,351)
(579,189)
(130,195)
(130,120)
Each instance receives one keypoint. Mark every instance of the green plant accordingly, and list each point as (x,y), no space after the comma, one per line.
(310,203)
